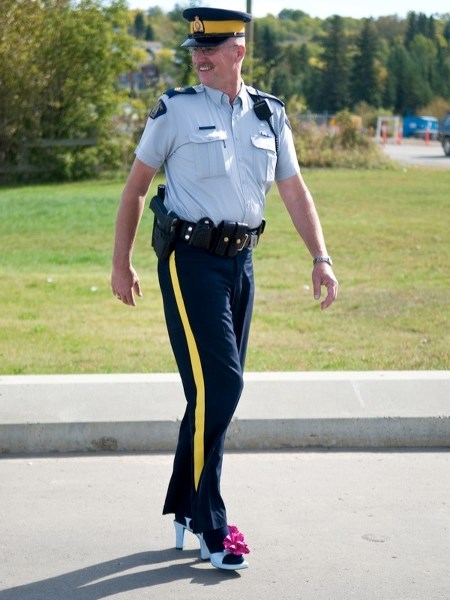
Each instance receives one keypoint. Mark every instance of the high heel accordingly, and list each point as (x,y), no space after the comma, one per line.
(230,559)
(204,552)
(180,528)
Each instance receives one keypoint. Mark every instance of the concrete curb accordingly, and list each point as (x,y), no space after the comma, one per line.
(141,413)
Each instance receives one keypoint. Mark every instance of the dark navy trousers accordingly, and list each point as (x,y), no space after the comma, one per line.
(208,303)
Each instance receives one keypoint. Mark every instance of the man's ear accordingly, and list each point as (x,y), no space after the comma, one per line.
(241,51)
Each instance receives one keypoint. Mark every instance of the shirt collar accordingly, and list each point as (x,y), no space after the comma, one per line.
(218,97)
(214,95)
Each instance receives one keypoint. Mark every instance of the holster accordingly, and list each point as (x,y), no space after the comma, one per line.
(165,225)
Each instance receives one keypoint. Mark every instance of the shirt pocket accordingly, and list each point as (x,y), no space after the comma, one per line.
(209,153)
(265,158)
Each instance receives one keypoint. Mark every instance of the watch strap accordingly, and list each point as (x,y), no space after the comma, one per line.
(320,259)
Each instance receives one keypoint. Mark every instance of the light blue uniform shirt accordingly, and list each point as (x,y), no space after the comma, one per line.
(220,160)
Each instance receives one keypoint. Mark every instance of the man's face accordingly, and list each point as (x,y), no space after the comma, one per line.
(217,66)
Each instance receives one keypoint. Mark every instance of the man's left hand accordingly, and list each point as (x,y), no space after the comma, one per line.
(323,275)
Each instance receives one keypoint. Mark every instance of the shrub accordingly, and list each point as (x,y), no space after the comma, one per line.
(342,145)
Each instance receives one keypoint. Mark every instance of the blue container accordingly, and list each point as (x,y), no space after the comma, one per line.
(418,126)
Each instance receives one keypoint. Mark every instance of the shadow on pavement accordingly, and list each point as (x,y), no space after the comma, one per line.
(109,578)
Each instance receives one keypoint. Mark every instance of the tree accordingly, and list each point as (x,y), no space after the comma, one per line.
(419,25)
(390,28)
(67,69)
(139,25)
(20,80)
(411,28)
(446,32)
(403,90)
(431,30)
(266,43)
(442,86)
(422,24)
(149,33)
(293,72)
(423,55)
(365,84)
(292,14)
(266,53)
(335,79)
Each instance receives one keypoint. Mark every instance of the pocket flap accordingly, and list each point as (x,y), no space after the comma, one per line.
(206,136)
(264,142)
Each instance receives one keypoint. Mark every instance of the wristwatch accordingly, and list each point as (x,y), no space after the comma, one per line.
(320,259)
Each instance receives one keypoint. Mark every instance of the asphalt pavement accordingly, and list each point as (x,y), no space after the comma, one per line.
(418,153)
(321,525)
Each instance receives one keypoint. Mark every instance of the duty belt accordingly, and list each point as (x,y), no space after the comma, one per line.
(227,239)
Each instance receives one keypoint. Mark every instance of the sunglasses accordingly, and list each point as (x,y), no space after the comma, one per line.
(209,51)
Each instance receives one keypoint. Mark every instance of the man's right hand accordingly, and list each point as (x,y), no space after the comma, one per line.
(125,284)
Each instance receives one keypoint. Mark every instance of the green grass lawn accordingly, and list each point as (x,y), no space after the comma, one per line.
(386,230)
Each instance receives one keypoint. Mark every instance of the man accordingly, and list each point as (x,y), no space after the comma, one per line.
(222,145)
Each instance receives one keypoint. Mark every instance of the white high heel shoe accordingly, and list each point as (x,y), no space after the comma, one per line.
(222,560)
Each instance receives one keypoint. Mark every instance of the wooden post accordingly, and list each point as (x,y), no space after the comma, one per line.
(249,42)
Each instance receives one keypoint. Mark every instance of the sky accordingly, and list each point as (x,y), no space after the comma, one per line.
(318,8)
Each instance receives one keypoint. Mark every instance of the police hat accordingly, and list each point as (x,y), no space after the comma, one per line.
(212,26)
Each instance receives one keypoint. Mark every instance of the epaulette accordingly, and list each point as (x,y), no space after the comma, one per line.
(254,92)
(170,93)
(160,108)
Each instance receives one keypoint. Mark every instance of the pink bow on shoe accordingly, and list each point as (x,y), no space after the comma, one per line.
(235,543)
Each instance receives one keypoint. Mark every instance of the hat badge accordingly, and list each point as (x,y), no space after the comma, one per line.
(197,25)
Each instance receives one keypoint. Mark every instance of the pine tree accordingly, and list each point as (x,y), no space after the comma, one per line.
(411,28)
(404,82)
(423,55)
(442,86)
(365,85)
(266,46)
(139,25)
(266,53)
(446,32)
(431,32)
(335,80)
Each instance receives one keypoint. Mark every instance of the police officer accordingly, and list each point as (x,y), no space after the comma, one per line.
(222,144)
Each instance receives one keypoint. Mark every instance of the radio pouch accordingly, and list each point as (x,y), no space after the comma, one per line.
(230,238)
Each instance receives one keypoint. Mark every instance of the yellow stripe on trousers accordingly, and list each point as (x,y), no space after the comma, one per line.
(199,451)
